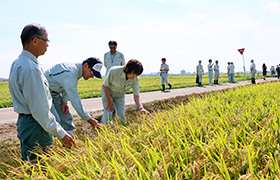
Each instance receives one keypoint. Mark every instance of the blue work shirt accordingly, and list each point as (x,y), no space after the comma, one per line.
(30,92)
(111,60)
(63,78)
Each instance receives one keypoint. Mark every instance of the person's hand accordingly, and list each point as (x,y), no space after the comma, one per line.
(65,107)
(68,141)
(94,123)
(144,111)
(110,105)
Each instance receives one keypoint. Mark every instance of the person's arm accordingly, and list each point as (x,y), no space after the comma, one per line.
(64,105)
(122,60)
(69,84)
(110,103)
(105,64)
(38,98)
(138,103)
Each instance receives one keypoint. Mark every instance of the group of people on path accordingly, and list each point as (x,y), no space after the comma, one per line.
(273,70)
(40,97)
(230,72)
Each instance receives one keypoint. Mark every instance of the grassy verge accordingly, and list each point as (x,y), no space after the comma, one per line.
(228,134)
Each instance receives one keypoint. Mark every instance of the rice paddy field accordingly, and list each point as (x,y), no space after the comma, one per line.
(92,87)
(228,134)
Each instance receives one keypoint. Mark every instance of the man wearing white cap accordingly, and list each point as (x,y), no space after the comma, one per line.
(63,80)
(253,71)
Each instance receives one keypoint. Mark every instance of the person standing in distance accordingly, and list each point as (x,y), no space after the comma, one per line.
(199,72)
(164,68)
(113,57)
(264,68)
(217,72)
(119,80)
(210,72)
(231,72)
(31,97)
(278,71)
(272,70)
(63,82)
(253,71)
(228,69)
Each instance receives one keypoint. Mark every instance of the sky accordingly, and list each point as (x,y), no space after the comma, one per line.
(182,31)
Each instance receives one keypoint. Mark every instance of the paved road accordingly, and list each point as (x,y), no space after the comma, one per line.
(94,105)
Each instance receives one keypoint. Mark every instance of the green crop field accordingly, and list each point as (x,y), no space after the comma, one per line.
(92,87)
(229,134)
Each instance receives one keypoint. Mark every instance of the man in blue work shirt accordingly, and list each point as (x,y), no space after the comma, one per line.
(31,96)
(113,57)
(63,81)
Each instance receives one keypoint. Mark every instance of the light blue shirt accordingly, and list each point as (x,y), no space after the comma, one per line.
(216,67)
(118,84)
(199,69)
(63,78)
(254,66)
(231,69)
(30,92)
(210,68)
(113,60)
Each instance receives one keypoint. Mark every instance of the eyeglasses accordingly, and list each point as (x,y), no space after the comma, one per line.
(112,47)
(43,39)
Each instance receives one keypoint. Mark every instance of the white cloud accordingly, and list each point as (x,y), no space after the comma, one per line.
(273,6)
(199,15)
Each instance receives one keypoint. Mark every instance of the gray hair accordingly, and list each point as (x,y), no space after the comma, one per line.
(30,31)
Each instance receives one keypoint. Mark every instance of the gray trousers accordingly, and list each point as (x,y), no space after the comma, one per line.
(253,72)
(216,75)
(231,77)
(210,75)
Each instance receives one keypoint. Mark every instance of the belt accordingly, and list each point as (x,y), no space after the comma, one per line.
(21,114)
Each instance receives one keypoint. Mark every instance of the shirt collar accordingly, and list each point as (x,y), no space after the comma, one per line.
(114,54)
(29,55)
(122,75)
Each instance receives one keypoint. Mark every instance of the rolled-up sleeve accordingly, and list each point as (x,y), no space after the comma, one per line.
(108,79)
(135,87)
(38,98)
(70,86)
(64,96)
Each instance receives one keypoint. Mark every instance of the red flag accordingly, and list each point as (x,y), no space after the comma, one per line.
(241,50)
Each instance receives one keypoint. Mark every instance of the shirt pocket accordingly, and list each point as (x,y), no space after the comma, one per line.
(117,61)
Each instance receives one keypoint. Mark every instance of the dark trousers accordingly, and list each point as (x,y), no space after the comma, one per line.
(31,135)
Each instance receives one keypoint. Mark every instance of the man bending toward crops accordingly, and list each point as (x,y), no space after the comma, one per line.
(63,81)
(119,80)
(31,96)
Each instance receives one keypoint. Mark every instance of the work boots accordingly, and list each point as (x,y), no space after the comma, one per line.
(253,80)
